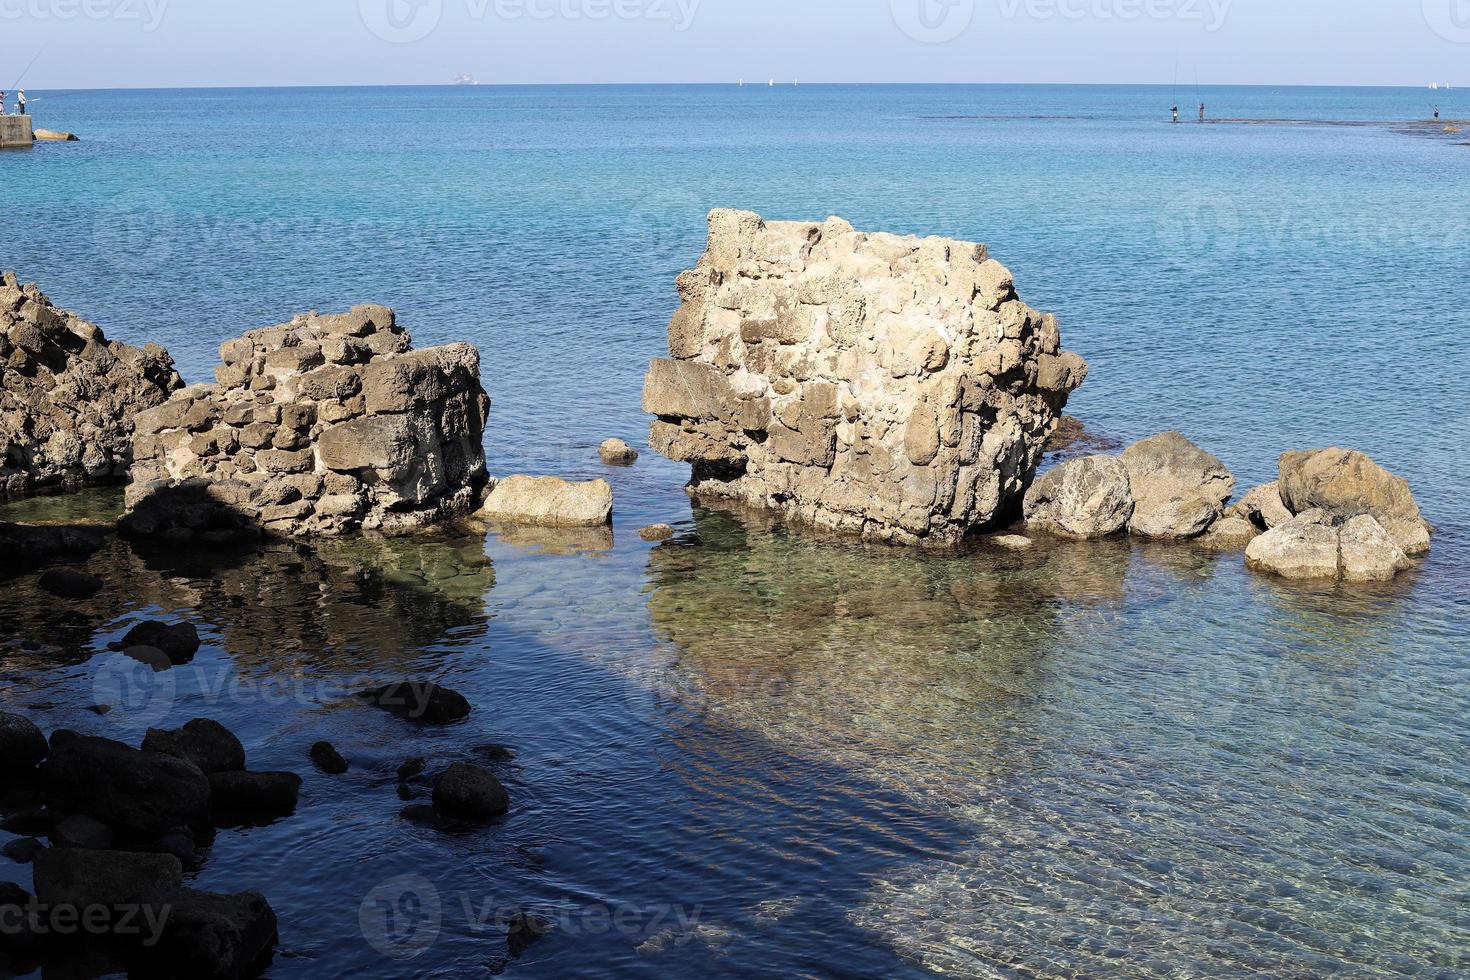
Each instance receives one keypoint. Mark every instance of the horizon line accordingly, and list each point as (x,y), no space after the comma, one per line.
(788,83)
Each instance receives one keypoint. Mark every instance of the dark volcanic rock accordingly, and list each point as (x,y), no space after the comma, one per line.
(68,583)
(523,931)
(31,822)
(468,792)
(212,937)
(208,744)
(326,758)
(81,878)
(17,937)
(80,830)
(147,793)
(22,746)
(420,701)
(262,795)
(410,769)
(179,643)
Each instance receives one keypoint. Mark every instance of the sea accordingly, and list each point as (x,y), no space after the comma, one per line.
(743,751)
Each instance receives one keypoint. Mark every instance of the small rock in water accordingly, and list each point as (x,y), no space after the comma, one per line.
(1229,534)
(405,792)
(468,792)
(68,583)
(258,795)
(22,850)
(179,642)
(206,743)
(549,501)
(656,532)
(82,831)
(524,930)
(101,709)
(420,701)
(616,452)
(410,769)
(496,753)
(22,746)
(326,758)
(1012,542)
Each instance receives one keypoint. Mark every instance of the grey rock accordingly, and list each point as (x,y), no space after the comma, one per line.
(1179,489)
(1305,547)
(1368,552)
(1082,498)
(616,452)
(1346,483)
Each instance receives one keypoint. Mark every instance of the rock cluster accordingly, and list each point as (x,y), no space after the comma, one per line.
(1333,514)
(894,388)
(1163,487)
(68,395)
(318,427)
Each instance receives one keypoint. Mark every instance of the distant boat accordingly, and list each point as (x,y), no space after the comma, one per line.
(465,78)
(772,83)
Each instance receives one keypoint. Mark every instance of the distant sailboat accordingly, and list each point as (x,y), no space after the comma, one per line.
(772,83)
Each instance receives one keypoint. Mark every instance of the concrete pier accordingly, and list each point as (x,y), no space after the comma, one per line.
(15,131)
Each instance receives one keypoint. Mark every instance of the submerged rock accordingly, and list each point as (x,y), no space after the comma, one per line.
(178,642)
(144,792)
(420,701)
(68,583)
(1346,483)
(1084,498)
(319,427)
(550,502)
(656,532)
(616,452)
(70,396)
(1179,489)
(22,745)
(467,792)
(208,744)
(892,388)
(326,758)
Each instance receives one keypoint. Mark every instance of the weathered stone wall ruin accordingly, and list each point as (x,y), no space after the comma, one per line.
(68,395)
(322,426)
(890,387)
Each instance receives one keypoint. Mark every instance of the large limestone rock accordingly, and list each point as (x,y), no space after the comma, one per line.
(1346,483)
(1313,545)
(891,387)
(1179,488)
(1083,498)
(68,395)
(549,501)
(318,427)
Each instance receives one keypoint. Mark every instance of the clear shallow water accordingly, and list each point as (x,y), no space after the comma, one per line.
(1085,761)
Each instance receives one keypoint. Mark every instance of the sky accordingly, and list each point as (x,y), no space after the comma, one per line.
(185,43)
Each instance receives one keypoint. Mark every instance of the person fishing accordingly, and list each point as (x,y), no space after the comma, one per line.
(3,97)
(20,101)
(1176,113)
(1436,112)
(1201,112)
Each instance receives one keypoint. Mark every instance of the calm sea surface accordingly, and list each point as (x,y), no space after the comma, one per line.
(742,752)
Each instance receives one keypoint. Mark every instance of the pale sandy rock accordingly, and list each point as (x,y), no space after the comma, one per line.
(1180,489)
(69,397)
(316,427)
(1012,542)
(1263,507)
(1368,553)
(616,452)
(887,387)
(549,501)
(1082,498)
(1305,547)
(1346,483)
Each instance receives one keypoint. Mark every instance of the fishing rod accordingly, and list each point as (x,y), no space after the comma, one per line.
(28,68)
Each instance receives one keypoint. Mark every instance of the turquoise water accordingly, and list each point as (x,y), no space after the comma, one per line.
(782,757)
